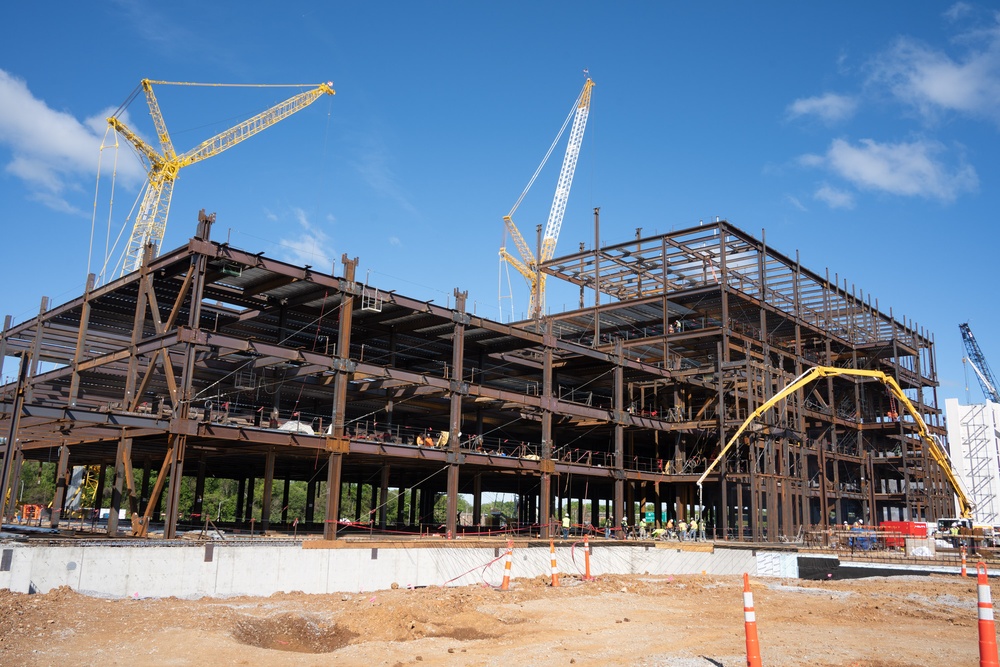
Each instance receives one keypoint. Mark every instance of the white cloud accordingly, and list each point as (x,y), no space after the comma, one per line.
(908,169)
(810,160)
(794,201)
(932,81)
(833,197)
(958,11)
(394,241)
(311,246)
(374,167)
(52,151)
(830,107)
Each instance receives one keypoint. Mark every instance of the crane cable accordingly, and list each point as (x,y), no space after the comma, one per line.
(108,249)
(545,159)
(228,85)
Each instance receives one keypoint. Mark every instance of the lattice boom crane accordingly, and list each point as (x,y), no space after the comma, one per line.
(151,220)
(979,365)
(528,265)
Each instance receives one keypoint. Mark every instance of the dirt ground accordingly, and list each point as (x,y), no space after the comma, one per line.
(687,621)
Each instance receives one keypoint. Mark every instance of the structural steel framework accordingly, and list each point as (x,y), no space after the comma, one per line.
(215,361)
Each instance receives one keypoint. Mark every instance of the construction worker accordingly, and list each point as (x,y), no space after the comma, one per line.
(682,529)
(701,530)
(565,525)
(693,530)
(624,527)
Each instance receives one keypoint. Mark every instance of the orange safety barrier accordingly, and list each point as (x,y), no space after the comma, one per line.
(586,558)
(505,585)
(987,629)
(552,560)
(750,622)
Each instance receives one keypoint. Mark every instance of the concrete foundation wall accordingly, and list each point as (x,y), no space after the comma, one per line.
(218,570)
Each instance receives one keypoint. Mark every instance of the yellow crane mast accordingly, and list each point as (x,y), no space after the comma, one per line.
(162,167)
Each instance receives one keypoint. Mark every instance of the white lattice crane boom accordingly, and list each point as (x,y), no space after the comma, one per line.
(527,264)
(565,182)
(151,220)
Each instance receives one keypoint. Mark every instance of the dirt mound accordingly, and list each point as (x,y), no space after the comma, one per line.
(643,620)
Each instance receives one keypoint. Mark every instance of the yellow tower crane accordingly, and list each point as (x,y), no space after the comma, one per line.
(151,220)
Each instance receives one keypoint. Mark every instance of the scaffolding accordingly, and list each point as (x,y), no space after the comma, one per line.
(973,431)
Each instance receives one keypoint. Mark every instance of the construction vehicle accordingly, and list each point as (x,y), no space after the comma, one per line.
(162,168)
(937,453)
(977,360)
(81,493)
(528,265)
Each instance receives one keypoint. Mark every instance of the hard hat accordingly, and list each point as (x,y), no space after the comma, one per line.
(860,521)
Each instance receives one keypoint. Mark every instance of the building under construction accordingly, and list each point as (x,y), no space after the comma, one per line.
(216,362)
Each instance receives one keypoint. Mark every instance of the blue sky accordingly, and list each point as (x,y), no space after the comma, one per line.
(863,135)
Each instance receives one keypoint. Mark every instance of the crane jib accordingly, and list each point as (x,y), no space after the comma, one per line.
(151,221)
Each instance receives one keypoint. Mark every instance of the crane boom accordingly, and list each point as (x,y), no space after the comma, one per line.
(979,365)
(565,182)
(158,122)
(529,266)
(940,457)
(151,220)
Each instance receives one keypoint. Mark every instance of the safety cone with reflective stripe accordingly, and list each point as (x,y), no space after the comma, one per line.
(555,568)
(750,621)
(505,585)
(586,558)
(987,630)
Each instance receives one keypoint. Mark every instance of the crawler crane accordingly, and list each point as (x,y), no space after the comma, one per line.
(151,220)
(528,265)
(977,360)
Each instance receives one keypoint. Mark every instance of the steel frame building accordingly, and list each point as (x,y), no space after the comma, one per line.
(187,366)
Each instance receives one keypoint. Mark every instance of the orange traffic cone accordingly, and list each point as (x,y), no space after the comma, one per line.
(750,621)
(505,585)
(555,568)
(586,558)
(987,630)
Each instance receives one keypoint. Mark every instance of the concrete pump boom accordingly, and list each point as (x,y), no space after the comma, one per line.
(939,456)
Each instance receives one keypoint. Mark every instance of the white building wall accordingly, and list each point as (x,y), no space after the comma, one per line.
(218,570)
(974,438)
